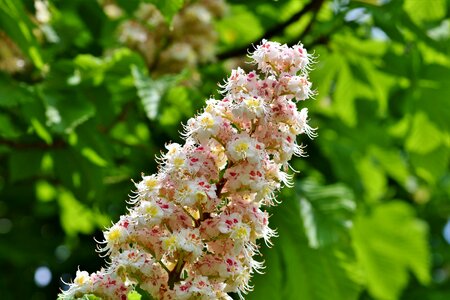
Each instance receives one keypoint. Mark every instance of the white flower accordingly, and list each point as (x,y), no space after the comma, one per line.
(244,147)
(81,278)
(300,87)
(116,235)
(301,124)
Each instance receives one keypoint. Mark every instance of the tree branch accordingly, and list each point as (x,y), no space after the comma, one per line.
(311,22)
(34,145)
(314,5)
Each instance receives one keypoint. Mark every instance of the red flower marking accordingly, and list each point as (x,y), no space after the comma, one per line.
(184,288)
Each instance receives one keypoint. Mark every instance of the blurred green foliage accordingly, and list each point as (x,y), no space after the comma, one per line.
(84,114)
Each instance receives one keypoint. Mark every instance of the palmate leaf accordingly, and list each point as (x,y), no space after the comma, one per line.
(297,271)
(77,218)
(326,211)
(64,113)
(151,91)
(390,242)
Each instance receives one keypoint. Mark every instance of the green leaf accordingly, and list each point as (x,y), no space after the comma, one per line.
(424,137)
(93,156)
(390,242)
(77,218)
(433,165)
(133,295)
(167,8)
(177,106)
(7,127)
(15,22)
(13,93)
(45,192)
(90,67)
(41,131)
(150,91)
(326,211)
(422,11)
(372,177)
(393,163)
(76,172)
(344,96)
(296,271)
(24,164)
(65,112)
(233,33)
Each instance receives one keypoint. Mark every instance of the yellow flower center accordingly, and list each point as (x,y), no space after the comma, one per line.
(241,233)
(114,235)
(207,122)
(178,162)
(252,103)
(241,147)
(200,197)
(151,210)
(170,243)
(80,280)
(151,183)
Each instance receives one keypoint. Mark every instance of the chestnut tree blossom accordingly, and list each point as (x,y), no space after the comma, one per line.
(193,227)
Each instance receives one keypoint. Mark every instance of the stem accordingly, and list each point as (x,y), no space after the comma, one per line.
(196,222)
(175,274)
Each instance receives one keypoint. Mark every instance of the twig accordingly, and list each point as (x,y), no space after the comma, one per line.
(58,144)
(311,22)
(272,31)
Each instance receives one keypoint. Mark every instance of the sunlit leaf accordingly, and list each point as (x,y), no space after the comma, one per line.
(296,271)
(422,11)
(393,163)
(93,156)
(326,211)
(433,165)
(77,218)
(424,136)
(373,179)
(134,296)
(389,242)
(41,131)
(344,96)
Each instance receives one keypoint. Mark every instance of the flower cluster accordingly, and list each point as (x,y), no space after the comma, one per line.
(193,227)
(168,48)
